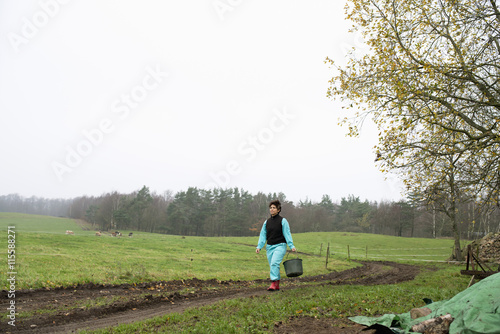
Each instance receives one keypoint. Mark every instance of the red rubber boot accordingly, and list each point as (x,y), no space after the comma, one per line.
(275,286)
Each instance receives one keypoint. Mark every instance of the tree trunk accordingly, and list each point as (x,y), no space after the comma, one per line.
(457,252)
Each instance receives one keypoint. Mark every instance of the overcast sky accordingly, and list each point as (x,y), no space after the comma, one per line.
(111,95)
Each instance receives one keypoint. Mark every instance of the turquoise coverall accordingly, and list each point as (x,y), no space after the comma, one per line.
(275,253)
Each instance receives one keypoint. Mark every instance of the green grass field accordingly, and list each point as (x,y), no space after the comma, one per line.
(36,223)
(47,257)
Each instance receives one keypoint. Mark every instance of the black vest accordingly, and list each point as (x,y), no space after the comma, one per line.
(275,230)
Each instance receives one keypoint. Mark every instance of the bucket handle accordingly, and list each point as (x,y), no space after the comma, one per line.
(288,253)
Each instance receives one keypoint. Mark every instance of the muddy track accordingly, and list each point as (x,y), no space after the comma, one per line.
(74,308)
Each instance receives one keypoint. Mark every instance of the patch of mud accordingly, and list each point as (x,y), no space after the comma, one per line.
(94,306)
(300,325)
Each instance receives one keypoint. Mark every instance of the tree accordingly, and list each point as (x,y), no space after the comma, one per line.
(354,215)
(155,213)
(121,218)
(327,204)
(384,218)
(258,212)
(138,207)
(430,84)
(176,215)
(405,217)
(90,214)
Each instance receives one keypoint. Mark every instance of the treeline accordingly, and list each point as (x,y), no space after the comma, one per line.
(35,205)
(236,212)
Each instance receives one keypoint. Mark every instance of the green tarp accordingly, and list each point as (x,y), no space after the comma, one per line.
(475,310)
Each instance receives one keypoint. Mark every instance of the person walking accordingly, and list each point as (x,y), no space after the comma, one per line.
(276,232)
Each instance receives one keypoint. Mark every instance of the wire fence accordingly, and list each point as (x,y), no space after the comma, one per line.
(429,254)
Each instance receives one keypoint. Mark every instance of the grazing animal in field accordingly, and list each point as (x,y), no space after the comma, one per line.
(69,232)
(130,234)
(98,234)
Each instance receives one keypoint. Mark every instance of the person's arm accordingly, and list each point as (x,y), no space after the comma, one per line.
(262,237)
(288,235)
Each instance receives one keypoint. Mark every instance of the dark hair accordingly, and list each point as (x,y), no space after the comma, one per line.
(276,203)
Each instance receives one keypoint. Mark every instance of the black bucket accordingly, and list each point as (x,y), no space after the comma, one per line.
(293,267)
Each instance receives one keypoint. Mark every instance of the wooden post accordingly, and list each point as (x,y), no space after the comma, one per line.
(327,253)
(348,253)
(320,249)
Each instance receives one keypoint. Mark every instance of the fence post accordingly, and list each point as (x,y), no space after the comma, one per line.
(327,253)
(348,253)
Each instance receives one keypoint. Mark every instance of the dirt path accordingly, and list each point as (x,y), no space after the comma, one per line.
(98,306)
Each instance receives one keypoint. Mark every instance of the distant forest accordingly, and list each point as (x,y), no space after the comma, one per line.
(236,212)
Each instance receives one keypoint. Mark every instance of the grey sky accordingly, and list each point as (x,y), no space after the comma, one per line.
(98,96)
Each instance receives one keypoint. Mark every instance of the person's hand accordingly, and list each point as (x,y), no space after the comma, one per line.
(293,249)
(257,251)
